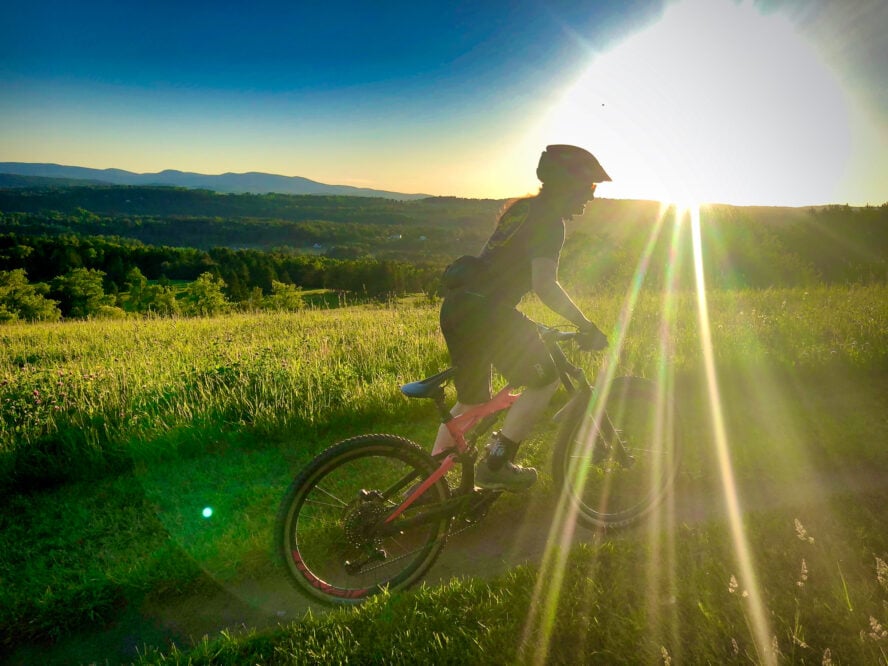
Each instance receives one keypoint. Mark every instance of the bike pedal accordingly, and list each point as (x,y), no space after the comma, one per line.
(480,506)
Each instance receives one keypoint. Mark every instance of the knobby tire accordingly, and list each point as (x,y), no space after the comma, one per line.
(329,515)
(586,465)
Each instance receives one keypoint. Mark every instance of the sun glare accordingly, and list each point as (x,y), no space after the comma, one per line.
(716,102)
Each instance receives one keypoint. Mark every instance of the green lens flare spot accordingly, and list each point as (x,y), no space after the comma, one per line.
(207,512)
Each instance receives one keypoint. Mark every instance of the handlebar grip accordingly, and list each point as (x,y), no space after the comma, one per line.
(556,335)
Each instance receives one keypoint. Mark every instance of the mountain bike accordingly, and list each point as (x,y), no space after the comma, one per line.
(373,512)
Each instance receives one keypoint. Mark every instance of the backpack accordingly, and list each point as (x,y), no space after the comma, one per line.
(465,271)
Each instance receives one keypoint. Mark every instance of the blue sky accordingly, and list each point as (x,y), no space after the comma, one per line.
(457,98)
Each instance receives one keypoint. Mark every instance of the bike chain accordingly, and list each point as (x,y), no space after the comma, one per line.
(449,534)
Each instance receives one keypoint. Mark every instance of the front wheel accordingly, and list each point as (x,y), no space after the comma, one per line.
(329,523)
(615,459)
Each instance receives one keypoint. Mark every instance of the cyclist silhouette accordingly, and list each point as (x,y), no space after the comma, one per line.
(484,329)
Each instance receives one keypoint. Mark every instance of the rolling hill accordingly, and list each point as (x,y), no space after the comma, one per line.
(230,183)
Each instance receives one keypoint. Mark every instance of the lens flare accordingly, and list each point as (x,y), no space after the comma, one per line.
(757,615)
(719,99)
(207,512)
(547,591)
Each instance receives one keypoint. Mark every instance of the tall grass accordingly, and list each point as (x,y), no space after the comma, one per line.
(827,605)
(221,412)
(82,397)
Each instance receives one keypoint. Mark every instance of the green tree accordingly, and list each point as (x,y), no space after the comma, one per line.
(204,296)
(21,300)
(135,290)
(81,292)
(284,297)
(160,299)
(254,301)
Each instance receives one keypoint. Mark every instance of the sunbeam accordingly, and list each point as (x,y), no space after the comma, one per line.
(663,565)
(757,616)
(547,591)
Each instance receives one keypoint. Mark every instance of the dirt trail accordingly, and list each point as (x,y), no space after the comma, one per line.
(510,535)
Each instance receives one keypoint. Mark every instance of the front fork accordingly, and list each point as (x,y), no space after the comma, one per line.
(610,439)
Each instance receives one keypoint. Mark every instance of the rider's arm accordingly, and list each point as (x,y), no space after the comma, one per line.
(544,278)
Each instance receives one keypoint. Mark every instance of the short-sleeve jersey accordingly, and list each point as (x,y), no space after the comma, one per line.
(526,231)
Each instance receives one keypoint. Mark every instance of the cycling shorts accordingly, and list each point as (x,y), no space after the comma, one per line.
(481,334)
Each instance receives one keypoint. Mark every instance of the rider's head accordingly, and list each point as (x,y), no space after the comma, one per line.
(570,173)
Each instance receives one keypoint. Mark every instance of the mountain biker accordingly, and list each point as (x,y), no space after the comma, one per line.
(482,326)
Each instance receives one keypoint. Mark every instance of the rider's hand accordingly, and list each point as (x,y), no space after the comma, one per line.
(591,338)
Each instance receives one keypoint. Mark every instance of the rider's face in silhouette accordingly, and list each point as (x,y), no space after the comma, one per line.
(573,201)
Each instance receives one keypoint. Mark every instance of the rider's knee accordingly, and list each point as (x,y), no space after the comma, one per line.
(543,376)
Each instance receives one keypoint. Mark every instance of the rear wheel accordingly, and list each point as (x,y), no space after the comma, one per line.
(329,521)
(616,461)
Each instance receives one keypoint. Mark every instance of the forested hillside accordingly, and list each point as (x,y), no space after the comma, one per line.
(349,226)
(116,238)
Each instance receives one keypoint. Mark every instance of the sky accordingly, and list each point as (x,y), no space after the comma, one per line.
(778,102)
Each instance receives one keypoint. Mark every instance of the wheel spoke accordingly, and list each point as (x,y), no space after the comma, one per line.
(608,488)
(332,496)
(332,517)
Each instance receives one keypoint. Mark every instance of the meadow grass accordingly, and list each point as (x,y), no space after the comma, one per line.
(80,398)
(825,599)
(85,397)
(115,436)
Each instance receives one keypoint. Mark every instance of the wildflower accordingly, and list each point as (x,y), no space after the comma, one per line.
(775,646)
(732,584)
(667,660)
(827,658)
(882,572)
(801,532)
(735,646)
(798,641)
(803,575)
(877,632)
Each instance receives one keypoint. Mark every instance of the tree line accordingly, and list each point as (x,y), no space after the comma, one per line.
(372,248)
(80,294)
(84,276)
(338,226)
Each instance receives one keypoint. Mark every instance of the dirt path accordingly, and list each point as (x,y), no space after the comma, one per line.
(511,535)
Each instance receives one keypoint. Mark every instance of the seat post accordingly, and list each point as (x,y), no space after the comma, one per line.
(438,397)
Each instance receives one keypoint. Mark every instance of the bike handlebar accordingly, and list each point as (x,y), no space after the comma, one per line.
(551,338)
(557,335)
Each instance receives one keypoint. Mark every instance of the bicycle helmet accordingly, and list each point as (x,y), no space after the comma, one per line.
(568,165)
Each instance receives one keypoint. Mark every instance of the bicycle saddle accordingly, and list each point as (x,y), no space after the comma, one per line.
(429,387)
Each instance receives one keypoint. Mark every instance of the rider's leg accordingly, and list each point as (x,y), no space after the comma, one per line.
(520,420)
(444,441)
(526,411)
(524,361)
(464,323)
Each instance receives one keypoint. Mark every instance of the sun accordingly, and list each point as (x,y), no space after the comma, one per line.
(716,102)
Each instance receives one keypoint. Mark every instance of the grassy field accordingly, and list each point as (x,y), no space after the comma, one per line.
(115,436)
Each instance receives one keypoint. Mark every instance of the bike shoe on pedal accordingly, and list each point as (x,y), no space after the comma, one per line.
(497,471)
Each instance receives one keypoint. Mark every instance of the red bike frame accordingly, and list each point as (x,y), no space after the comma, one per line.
(458,426)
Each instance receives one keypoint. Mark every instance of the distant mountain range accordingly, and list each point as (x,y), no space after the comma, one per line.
(233,183)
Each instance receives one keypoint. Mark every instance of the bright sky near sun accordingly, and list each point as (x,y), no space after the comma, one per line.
(783,102)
